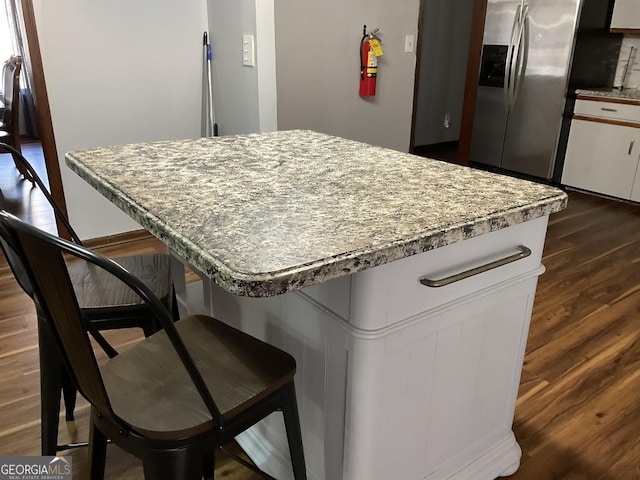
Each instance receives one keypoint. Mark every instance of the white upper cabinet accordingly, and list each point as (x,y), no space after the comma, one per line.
(626,15)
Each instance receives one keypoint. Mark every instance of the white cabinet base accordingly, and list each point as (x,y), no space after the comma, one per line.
(603,149)
(430,395)
(601,158)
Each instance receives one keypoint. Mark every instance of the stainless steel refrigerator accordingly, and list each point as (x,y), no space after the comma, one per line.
(526,59)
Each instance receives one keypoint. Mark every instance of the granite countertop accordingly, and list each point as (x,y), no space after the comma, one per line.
(264,214)
(626,95)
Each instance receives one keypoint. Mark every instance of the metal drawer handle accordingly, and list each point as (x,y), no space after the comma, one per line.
(631,146)
(604,109)
(523,252)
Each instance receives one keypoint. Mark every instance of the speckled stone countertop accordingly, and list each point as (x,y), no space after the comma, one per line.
(264,214)
(627,95)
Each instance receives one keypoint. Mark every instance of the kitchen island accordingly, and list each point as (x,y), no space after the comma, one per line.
(403,286)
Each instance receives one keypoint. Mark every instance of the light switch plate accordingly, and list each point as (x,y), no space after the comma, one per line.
(409,44)
(248,55)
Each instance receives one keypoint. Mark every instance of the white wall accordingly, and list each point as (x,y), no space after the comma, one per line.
(318,68)
(266,61)
(244,97)
(119,71)
(235,87)
(123,71)
(631,74)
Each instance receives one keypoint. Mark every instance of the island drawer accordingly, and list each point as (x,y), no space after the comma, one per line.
(607,110)
(385,295)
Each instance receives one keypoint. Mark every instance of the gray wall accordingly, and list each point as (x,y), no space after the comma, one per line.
(443,66)
(318,68)
(244,97)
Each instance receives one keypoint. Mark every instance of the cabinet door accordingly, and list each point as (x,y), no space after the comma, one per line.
(634,150)
(598,158)
(626,15)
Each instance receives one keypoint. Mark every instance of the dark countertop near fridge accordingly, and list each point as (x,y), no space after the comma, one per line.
(628,95)
(264,214)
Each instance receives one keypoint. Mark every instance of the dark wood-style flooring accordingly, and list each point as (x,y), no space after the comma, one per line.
(17,195)
(578,411)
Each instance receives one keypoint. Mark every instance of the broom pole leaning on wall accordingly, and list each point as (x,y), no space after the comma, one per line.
(211,127)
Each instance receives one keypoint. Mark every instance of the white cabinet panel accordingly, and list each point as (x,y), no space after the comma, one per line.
(634,149)
(601,157)
(626,15)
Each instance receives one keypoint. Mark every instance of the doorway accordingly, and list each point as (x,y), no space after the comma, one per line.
(447,73)
(46,157)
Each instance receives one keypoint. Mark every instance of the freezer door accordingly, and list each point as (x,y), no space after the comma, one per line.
(535,115)
(498,24)
(490,118)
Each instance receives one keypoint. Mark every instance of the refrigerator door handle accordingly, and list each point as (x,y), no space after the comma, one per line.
(509,62)
(519,56)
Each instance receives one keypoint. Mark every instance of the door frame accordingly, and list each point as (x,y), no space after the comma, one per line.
(474,58)
(41,100)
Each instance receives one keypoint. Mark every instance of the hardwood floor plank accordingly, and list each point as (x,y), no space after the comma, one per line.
(576,342)
(600,386)
(585,342)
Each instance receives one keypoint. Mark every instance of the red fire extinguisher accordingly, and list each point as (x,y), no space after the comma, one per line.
(370,50)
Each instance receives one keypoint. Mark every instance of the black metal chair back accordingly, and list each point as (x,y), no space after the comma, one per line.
(41,255)
(175,424)
(105,306)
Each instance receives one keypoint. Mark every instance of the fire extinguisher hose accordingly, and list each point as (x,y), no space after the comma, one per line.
(362,65)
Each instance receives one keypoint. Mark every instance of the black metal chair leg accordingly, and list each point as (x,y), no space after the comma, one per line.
(179,464)
(209,467)
(69,393)
(97,450)
(294,434)
(150,326)
(52,371)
